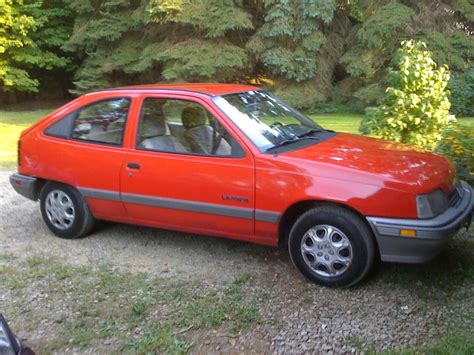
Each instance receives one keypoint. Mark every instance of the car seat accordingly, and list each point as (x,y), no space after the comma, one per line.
(199,135)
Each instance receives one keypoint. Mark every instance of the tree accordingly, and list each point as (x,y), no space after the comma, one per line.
(159,40)
(15,28)
(308,51)
(379,26)
(31,38)
(375,44)
(416,106)
(287,45)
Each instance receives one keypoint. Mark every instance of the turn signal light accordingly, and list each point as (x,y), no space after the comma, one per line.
(408,232)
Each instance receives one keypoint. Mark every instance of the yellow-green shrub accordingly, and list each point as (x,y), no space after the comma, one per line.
(415,109)
(457,143)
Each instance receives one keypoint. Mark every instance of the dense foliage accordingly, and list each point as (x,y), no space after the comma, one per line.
(415,109)
(13,39)
(457,144)
(32,36)
(309,51)
(462,93)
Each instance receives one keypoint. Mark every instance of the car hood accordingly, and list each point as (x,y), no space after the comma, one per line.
(392,164)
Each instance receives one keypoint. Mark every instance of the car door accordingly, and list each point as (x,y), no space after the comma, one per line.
(190,175)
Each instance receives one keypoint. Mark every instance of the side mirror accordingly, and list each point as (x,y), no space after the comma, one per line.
(9,343)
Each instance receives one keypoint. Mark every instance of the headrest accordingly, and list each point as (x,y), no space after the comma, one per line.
(193,116)
(154,124)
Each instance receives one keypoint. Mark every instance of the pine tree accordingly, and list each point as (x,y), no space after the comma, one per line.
(287,45)
(446,27)
(160,40)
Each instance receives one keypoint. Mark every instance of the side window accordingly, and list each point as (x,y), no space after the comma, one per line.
(102,122)
(181,126)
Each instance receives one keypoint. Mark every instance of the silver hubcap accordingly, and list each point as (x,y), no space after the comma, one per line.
(60,209)
(326,250)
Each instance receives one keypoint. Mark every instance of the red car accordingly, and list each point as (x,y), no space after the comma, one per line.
(235,161)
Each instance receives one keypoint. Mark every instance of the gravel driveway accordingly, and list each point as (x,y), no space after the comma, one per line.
(398,307)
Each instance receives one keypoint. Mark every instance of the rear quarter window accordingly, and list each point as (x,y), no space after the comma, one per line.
(102,122)
(99,122)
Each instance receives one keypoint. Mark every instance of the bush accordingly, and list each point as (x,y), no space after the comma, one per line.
(462,93)
(458,145)
(415,108)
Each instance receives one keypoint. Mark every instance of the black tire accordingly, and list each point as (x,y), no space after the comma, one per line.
(83,221)
(355,231)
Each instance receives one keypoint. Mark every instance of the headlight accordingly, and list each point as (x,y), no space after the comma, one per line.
(432,204)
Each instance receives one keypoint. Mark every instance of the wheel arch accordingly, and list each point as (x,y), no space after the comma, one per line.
(295,210)
(43,182)
(39,185)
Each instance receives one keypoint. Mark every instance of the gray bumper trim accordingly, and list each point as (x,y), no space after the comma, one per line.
(431,234)
(25,185)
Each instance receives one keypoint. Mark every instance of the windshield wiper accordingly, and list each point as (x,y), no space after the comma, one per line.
(292,140)
(308,132)
(283,143)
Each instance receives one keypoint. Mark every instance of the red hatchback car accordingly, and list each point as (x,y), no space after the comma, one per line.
(235,161)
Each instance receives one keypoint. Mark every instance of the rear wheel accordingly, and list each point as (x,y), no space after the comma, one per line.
(331,246)
(64,211)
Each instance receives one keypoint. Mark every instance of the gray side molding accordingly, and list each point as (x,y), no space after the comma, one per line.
(184,205)
(238,212)
(100,194)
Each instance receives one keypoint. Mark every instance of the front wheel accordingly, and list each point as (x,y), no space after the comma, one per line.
(64,211)
(331,246)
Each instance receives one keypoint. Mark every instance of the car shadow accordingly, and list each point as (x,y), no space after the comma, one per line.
(195,246)
(452,268)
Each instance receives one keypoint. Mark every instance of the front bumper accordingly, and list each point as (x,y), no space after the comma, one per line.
(25,185)
(431,234)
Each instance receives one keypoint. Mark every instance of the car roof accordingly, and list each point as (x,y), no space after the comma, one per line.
(212,89)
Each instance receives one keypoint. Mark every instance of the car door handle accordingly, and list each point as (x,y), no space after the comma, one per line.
(134,166)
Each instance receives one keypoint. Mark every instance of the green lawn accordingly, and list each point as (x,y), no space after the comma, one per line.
(13,122)
(11,125)
(339,122)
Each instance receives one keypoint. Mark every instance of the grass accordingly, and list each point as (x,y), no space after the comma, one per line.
(11,125)
(338,122)
(13,122)
(453,344)
(138,313)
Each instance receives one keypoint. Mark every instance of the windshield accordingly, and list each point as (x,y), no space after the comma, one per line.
(266,120)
